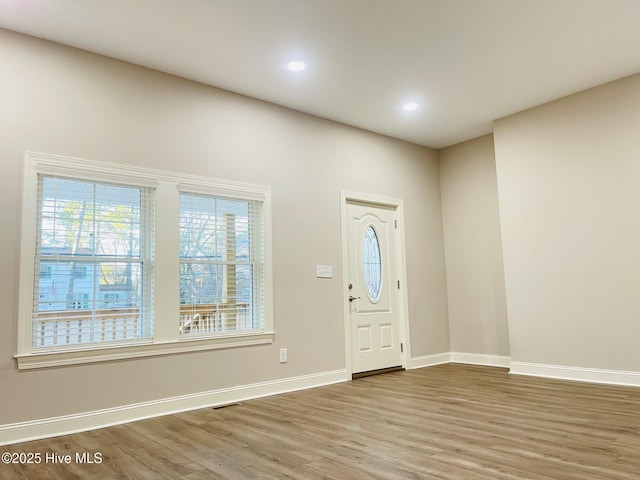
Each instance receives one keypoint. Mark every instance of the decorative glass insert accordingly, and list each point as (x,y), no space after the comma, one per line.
(371,264)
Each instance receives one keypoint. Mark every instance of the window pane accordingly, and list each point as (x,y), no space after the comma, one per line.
(117,224)
(200,283)
(84,218)
(216,298)
(102,311)
(66,219)
(213,228)
(120,285)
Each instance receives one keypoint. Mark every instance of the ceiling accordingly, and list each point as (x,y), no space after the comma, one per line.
(464,62)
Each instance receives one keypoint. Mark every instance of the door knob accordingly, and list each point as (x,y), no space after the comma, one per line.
(352,298)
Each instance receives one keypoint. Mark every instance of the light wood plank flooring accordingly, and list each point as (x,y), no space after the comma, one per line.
(454,422)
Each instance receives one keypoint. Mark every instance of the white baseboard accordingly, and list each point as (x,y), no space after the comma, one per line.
(429,360)
(52,427)
(457,357)
(592,375)
(481,359)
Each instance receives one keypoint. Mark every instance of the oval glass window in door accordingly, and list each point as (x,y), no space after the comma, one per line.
(371,264)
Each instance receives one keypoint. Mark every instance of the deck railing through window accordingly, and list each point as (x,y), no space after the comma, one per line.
(214,318)
(73,327)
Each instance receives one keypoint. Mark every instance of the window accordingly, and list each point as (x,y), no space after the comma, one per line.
(221,266)
(120,262)
(45,272)
(89,233)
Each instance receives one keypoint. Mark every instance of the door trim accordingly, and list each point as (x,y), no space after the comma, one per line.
(349,196)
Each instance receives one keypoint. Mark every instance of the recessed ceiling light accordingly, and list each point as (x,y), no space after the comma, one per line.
(296,66)
(409,107)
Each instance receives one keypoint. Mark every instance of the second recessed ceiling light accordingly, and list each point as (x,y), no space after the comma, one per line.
(296,66)
(409,107)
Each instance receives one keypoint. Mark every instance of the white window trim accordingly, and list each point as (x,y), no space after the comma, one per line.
(166,338)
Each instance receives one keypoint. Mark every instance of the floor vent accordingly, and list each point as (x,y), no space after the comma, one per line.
(226,405)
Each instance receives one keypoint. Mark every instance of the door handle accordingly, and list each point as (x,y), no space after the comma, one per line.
(352,298)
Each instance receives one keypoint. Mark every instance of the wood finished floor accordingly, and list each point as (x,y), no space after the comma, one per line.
(453,422)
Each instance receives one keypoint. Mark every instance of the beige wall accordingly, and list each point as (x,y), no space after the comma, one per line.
(475,273)
(62,101)
(569,192)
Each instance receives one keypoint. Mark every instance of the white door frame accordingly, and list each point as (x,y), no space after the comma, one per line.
(400,258)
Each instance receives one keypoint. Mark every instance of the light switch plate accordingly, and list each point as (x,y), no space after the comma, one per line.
(324,271)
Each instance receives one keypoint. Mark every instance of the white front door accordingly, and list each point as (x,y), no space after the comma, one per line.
(373,288)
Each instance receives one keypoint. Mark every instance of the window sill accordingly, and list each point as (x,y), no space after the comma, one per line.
(106,354)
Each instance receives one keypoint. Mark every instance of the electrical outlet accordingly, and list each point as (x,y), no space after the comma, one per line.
(283,355)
